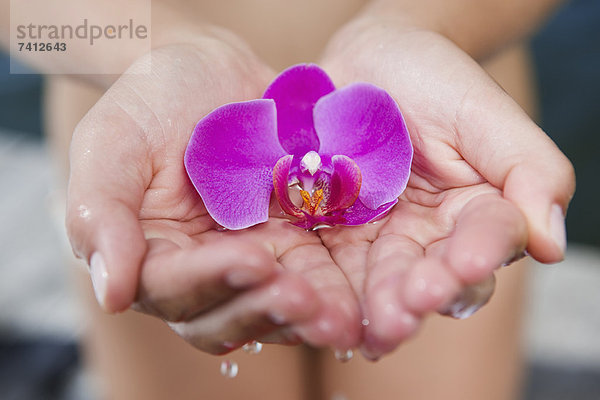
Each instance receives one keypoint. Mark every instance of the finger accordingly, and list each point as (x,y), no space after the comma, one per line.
(284,336)
(433,286)
(516,155)
(430,286)
(490,231)
(470,299)
(349,248)
(103,203)
(388,320)
(337,324)
(179,283)
(254,314)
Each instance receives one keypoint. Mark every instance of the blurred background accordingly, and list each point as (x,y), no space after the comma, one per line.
(40,322)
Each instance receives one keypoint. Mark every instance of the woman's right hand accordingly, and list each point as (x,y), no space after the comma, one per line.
(133,214)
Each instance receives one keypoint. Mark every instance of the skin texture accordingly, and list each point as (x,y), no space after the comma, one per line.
(447,358)
(471,204)
(285,275)
(182,280)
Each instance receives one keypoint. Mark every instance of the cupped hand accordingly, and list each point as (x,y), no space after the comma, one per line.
(133,214)
(486,182)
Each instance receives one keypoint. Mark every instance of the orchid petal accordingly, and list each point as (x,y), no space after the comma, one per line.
(358,214)
(295,91)
(344,184)
(230,158)
(363,122)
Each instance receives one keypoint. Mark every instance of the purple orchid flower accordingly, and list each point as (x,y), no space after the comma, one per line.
(331,156)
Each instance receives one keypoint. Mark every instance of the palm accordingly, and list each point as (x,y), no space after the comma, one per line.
(283,275)
(451,226)
(369,257)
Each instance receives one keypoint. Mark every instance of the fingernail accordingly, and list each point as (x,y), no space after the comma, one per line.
(368,354)
(557,227)
(99,277)
(368,349)
(471,299)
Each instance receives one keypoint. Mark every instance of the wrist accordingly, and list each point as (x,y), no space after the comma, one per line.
(478,27)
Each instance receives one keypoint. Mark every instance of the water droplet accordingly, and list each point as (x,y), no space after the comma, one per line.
(84,211)
(275,290)
(365,322)
(229,369)
(252,347)
(221,229)
(344,355)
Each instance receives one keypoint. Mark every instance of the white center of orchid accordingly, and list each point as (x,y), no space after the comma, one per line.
(311,162)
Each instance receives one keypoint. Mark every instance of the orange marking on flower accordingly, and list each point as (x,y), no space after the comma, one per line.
(317,198)
(311,203)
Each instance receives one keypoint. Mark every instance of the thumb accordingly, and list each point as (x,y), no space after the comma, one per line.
(106,187)
(518,157)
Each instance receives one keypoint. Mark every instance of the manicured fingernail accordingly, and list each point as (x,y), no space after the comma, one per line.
(557,227)
(99,277)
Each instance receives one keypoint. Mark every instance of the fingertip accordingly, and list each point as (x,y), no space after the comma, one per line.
(543,196)
(390,321)
(294,300)
(549,242)
(99,276)
(384,339)
(470,265)
(489,231)
(470,300)
(429,286)
(336,323)
(557,228)
(113,243)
